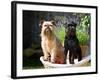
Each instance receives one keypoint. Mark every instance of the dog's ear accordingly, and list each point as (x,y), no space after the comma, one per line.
(53,22)
(41,22)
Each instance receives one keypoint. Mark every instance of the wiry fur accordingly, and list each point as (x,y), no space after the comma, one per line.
(71,43)
(52,48)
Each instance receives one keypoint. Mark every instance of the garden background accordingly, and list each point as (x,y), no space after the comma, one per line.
(31,33)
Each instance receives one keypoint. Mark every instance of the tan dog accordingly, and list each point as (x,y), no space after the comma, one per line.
(51,46)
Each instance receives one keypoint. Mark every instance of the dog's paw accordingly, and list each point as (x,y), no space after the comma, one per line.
(46,58)
(53,61)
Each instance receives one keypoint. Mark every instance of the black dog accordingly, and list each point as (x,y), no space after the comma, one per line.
(71,43)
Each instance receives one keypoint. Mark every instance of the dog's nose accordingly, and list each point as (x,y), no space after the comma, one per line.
(48,26)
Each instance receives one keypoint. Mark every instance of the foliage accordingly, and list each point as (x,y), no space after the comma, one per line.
(83,37)
(60,33)
(83,33)
(84,23)
(82,30)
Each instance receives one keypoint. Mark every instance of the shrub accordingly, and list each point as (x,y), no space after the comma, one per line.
(83,37)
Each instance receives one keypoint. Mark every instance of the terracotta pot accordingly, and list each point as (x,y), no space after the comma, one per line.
(85,50)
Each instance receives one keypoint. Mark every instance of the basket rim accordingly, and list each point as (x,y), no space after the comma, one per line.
(83,61)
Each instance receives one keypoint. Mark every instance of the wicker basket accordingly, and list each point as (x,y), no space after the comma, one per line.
(83,62)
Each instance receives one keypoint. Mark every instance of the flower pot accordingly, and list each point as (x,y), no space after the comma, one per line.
(85,50)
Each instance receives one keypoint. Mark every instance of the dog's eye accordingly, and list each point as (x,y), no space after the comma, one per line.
(48,25)
(51,25)
(45,25)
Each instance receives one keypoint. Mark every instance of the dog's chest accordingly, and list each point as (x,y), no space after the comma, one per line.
(71,43)
(49,45)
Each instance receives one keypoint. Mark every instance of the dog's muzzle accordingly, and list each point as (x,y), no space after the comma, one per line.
(47,31)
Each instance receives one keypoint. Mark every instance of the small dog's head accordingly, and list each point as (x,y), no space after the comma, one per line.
(71,29)
(47,27)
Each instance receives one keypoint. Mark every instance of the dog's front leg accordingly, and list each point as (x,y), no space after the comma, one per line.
(45,53)
(53,57)
(46,56)
(71,57)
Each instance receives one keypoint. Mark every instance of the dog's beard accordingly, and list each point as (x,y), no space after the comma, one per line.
(48,32)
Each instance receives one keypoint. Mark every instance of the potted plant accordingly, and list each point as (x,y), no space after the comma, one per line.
(83,34)
(83,38)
